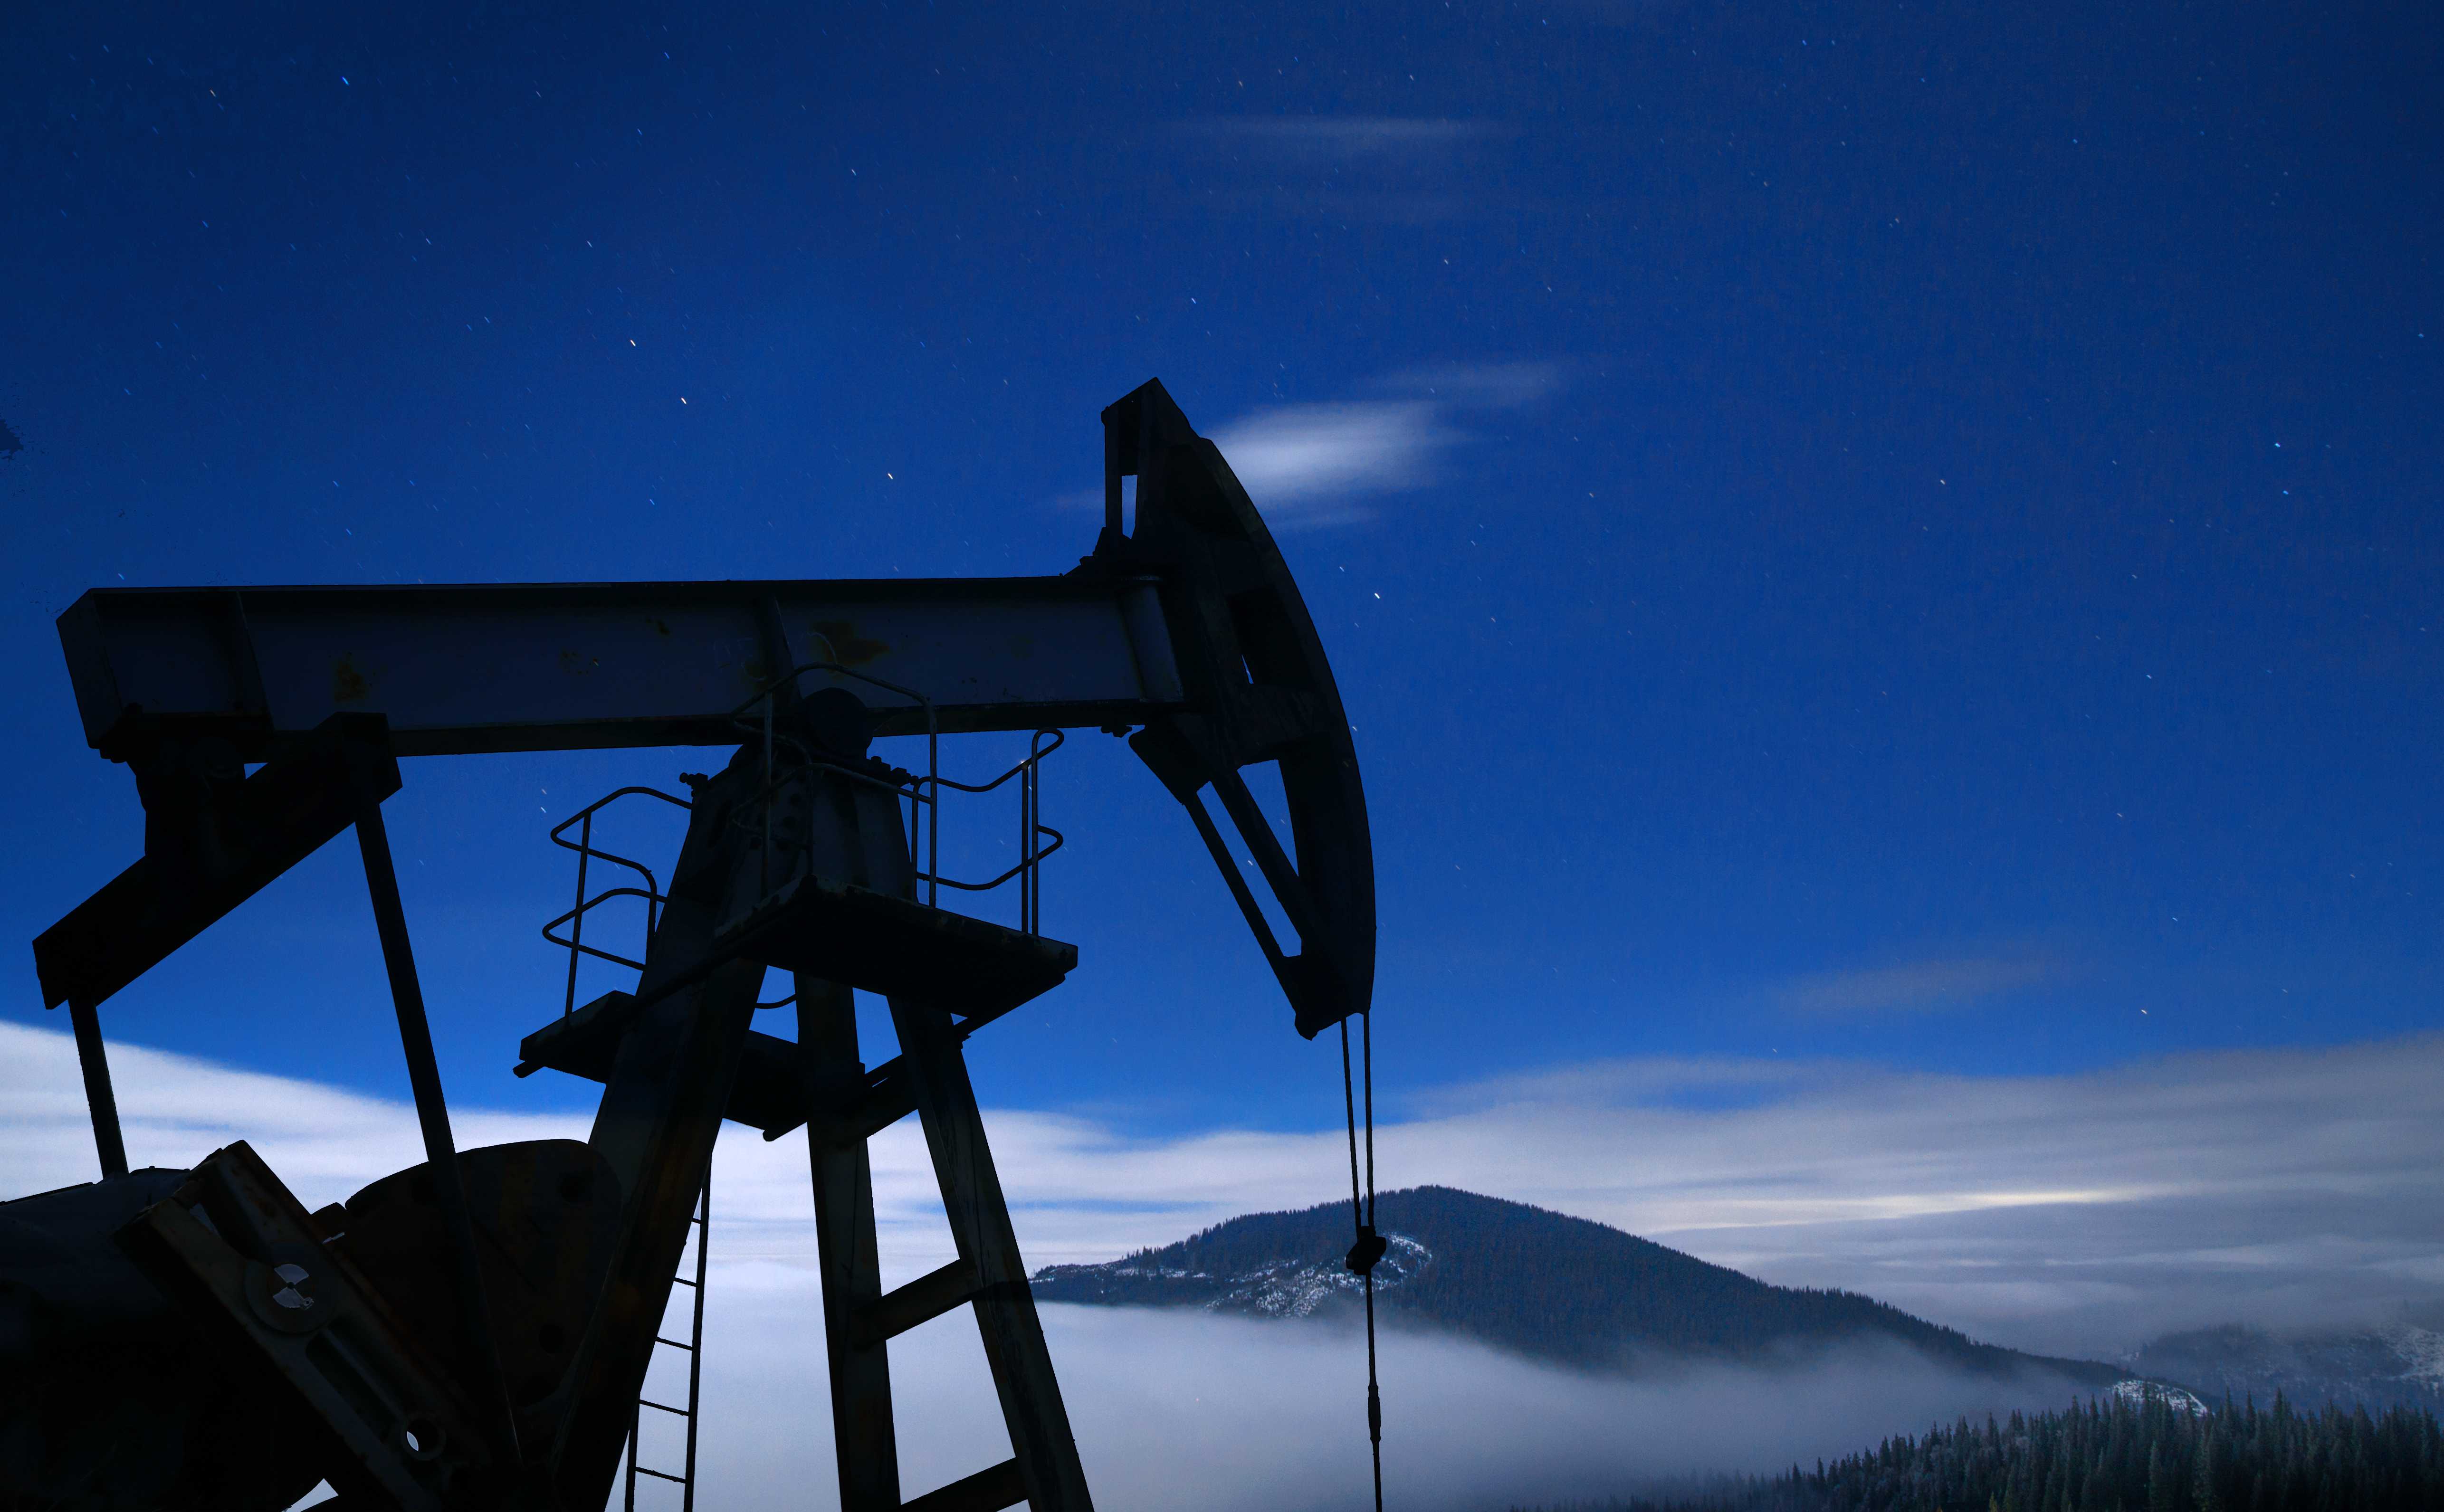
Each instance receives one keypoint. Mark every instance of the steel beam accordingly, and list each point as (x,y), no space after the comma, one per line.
(863,1437)
(209,848)
(1188,625)
(466,668)
(99,1101)
(490,1388)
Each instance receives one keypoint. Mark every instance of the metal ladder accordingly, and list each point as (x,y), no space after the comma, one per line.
(694,1348)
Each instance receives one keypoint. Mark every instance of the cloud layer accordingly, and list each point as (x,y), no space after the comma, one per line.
(1183,1410)
(2074,1214)
(1917,985)
(2071,1213)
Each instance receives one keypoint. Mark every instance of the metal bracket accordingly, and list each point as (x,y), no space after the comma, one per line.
(245,1253)
(209,847)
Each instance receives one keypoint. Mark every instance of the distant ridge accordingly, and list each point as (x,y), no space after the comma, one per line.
(1539,1284)
(2400,1365)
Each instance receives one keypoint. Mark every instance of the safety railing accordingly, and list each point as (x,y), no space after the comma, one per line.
(921,794)
(1031,830)
(588,851)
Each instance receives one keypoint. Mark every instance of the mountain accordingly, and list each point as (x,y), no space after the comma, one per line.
(2396,1366)
(1539,1284)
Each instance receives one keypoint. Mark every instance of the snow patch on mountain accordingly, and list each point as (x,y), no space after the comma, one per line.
(2422,1354)
(2138,1394)
(1283,1288)
(1292,1290)
(2401,1364)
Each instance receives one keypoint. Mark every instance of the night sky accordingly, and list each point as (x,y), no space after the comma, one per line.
(1891,533)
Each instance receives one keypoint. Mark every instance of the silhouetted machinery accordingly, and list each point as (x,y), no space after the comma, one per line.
(474,1332)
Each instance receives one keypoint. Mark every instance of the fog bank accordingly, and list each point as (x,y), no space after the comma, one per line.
(1189,1411)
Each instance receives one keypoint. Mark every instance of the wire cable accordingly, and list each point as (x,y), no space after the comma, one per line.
(1369,1245)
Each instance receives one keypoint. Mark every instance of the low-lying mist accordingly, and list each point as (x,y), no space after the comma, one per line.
(1187,1410)
(2078,1214)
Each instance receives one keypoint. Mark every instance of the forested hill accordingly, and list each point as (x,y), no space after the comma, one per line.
(1538,1283)
(2118,1454)
(2395,1365)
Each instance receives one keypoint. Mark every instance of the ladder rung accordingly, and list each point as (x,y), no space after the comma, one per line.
(926,1298)
(675,1412)
(985,1491)
(658,1475)
(682,1280)
(674,1344)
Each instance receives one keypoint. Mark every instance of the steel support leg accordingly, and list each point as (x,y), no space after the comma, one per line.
(99,1099)
(1004,1307)
(656,1128)
(863,1436)
(432,1116)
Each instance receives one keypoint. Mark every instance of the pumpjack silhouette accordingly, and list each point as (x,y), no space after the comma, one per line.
(476,1332)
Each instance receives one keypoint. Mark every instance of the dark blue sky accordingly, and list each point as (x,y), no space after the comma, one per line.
(1885,531)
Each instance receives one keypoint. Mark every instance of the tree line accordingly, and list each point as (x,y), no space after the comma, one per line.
(2115,1455)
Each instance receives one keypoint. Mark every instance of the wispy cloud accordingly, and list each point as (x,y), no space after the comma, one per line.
(1948,982)
(1343,139)
(1487,385)
(1311,465)
(1398,169)
(2068,1213)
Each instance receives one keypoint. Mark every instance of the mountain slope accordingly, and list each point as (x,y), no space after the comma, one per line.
(1537,1283)
(2400,1366)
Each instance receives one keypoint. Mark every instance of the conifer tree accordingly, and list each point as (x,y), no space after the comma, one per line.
(2206,1485)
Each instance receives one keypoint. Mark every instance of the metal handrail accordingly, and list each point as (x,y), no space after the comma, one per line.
(1058,841)
(922,793)
(1036,752)
(586,851)
(1031,829)
(575,944)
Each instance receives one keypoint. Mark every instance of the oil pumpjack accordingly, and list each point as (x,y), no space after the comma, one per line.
(474,1332)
